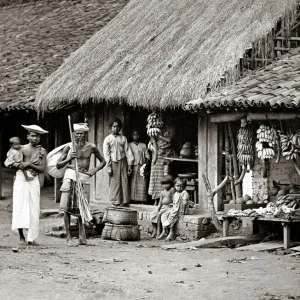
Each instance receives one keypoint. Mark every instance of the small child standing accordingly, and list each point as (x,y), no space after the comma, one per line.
(165,203)
(15,156)
(180,204)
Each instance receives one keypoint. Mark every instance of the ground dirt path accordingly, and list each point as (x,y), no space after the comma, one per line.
(139,270)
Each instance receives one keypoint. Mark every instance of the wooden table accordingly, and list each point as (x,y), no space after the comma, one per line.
(286,224)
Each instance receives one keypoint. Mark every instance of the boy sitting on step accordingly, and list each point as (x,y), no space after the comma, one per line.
(165,203)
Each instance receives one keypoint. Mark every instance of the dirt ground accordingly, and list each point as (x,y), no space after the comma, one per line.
(138,270)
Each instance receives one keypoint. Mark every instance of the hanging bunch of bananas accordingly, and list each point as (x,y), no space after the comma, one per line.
(154,125)
(266,136)
(245,147)
(290,146)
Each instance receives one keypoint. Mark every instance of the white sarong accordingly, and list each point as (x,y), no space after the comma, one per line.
(26,205)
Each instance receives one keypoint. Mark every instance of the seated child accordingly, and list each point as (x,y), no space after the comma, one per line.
(180,205)
(165,203)
(15,156)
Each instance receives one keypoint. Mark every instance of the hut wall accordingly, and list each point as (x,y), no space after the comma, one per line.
(99,117)
(210,159)
(284,172)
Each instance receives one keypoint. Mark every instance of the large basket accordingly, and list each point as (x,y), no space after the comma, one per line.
(121,216)
(121,232)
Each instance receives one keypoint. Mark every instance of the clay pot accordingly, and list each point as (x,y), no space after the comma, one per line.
(188,145)
(187,153)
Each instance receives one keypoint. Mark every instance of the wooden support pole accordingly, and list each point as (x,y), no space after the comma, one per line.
(236,175)
(1,149)
(286,235)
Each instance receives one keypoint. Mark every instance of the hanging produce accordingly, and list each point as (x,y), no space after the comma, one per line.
(290,146)
(266,141)
(154,125)
(245,149)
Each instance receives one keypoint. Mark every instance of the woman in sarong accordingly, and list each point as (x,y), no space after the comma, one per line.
(119,160)
(138,183)
(165,148)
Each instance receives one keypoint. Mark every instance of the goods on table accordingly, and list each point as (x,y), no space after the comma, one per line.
(266,141)
(289,200)
(196,151)
(187,150)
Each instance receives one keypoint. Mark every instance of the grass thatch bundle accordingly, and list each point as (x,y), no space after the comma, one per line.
(159,53)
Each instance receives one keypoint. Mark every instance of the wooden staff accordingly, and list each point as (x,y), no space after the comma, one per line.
(238,188)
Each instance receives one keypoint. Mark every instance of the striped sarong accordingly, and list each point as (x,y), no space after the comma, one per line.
(118,183)
(138,185)
(156,175)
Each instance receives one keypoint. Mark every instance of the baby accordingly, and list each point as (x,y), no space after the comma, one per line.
(15,155)
(180,204)
(165,203)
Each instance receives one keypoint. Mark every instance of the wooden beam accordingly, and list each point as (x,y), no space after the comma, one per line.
(293,38)
(1,177)
(282,49)
(229,117)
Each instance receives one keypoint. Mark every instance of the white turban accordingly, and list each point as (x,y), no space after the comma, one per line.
(81,127)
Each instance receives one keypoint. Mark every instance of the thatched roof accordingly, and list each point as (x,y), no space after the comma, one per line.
(36,37)
(276,86)
(159,53)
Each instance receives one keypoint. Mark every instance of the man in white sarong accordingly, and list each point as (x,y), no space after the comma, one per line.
(26,193)
(68,201)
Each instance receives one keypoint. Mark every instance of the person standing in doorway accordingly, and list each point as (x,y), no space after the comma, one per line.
(26,193)
(119,160)
(138,181)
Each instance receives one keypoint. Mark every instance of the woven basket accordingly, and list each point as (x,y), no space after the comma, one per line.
(121,216)
(121,232)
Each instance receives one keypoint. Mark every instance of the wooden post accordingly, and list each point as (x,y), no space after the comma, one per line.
(286,235)
(1,177)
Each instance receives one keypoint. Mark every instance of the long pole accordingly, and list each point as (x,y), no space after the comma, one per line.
(76,170)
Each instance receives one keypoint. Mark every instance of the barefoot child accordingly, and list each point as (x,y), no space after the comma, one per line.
(165,203)
(179,208)
(15,156)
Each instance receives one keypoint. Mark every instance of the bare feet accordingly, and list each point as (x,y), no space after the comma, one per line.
(70,242)
(163,235)
(33,243)
(170,237)
(154,234)
(22,242)
(82,241)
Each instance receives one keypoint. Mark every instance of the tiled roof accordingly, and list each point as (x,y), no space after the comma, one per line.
(276,86)
(35,39)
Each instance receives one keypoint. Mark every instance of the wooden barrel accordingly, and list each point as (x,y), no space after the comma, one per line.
(121,232)
(121,216)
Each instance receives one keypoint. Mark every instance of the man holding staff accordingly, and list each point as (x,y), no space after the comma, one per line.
(69,196)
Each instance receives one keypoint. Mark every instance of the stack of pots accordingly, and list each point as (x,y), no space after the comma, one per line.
(121,224)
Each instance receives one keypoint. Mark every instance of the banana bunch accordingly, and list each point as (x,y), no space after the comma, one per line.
(245,147)
(290,146)
(290,201)
(154,125)
(266,141)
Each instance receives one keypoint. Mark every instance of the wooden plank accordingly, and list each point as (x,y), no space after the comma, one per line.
(202,159)
(180,159)
(273,245)
(282,49)
(216,242)
(297,248)
(292,38)
(286,235)
(1,149)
